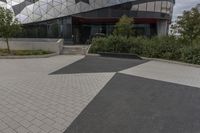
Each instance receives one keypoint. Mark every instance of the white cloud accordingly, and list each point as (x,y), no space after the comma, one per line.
(182,5)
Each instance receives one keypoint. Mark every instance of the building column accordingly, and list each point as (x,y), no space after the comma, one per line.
(162,27)
(67,30)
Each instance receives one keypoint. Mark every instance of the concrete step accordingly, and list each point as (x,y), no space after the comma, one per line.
(75,49)
(68,42)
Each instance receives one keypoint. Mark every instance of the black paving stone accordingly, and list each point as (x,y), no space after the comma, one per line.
(95,64)
(129,104)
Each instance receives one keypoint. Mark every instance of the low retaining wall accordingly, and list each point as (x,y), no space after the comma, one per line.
(53,45)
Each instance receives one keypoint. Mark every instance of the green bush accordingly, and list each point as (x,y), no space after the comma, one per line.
(166,47)
(191,54)
(162,47)
(99,44)
(137,45)
(117,44)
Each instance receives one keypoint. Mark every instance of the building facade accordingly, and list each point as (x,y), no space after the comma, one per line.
(78,20)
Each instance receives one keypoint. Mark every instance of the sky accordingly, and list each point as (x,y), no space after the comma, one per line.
(182,5)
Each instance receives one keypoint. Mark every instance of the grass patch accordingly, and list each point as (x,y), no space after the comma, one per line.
(4,52)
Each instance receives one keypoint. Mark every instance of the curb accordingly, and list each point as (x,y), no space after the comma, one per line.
(90,54)
(119,55)
(29,57)
(171,61)
(100,55)
(88,49)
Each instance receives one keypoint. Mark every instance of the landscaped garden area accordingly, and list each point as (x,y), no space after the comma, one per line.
(5,52)
(10,26)
(167,47)
(183,44)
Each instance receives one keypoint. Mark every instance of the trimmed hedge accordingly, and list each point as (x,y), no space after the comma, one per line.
(166,47)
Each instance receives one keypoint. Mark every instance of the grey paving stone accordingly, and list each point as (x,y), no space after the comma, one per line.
(130,104)
(9,130)
(37,122)
(11,122)
(3,125)
(25,123)
(47,128)
(28,93)
(96,64)
(55,131)
(169,72)
(39,102)
(22,130)
(34,129)
(48,121)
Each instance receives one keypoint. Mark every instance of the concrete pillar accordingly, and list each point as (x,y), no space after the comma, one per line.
(162,27)
(67,30)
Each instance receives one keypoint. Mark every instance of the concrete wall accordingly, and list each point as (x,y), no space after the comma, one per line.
(53,45)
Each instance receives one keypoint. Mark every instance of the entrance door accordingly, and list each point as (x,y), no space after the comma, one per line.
(85,31)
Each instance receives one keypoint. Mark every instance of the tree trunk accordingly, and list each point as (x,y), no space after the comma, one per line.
(8,47)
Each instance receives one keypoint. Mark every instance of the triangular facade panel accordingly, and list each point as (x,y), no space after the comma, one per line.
(39,10)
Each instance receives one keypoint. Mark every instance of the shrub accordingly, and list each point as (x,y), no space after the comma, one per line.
(98,44)
(156,47)
(166,47)
(191,54)
(117,44)
(137,45)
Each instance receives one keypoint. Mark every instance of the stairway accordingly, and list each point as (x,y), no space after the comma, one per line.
(75,49)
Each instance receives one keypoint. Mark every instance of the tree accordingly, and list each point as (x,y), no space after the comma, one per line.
(9,25)
(124,27)
(188,25)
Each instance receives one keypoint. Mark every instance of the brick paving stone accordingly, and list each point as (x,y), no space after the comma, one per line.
(46,127)
(48,121)
(3,126)
(169,72)
(11,123)
(28,117)
(9,130)
(34,101)
(34,129)
(55,131)
(25,123)
(2,115)
(22,130)
(37,122)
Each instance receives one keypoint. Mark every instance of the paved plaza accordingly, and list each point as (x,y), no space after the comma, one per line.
(33,101)
(77,94)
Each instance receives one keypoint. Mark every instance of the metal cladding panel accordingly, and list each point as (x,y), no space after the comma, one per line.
(28,11)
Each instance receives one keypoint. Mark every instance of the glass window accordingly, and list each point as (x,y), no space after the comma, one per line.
(164,7)
(158,6)
(135,8)
(168,7)
(151,6)
(143,7)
